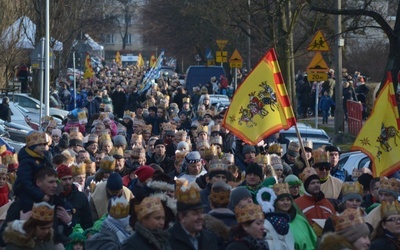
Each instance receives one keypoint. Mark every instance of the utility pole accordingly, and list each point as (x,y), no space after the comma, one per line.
(248,40)
(339,43)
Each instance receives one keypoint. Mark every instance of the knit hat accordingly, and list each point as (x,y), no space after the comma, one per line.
(293,180)
(217,167)
(238,194)
(63,171)
(119,140)
(193,157)
(159,141)
(144,173)
(114,182)
(248,149)
(184,146)
(256,169)
(56,131)
(276,162)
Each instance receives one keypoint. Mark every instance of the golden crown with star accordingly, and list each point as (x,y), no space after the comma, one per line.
(352,188)
(78,169)
(249,212)
(148,206)
(119,208)
(188,193)
(348,218)
(43,211)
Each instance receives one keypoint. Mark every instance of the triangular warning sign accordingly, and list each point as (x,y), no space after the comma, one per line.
(236,57)
(318,64)
(318,43)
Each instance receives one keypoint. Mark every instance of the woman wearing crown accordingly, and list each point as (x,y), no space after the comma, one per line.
(34,233)
(387,233)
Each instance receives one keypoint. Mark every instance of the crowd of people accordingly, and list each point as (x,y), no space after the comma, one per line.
(152,168)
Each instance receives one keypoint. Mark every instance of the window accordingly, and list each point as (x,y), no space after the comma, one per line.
(128,39)
(109,39)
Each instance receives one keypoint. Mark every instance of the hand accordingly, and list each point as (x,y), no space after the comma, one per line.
(24,216)
(46,198)
(63,215)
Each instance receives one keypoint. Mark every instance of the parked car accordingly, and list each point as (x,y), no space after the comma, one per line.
(33,105)
(201,74)
(353,160)
(307,133)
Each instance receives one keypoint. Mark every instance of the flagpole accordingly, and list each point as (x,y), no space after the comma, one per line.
(303,154)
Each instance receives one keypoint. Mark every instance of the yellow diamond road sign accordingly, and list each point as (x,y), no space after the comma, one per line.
(221,44)
(318,43)
(318,64)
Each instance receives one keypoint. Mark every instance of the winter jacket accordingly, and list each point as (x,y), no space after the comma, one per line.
(140,190)
(93,107)
(325,103)
(204,194)
(386,242)
(5,112)
(144,239)
(179,240)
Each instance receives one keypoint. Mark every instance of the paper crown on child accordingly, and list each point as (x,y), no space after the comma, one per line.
(202,129)
(78,169)
(148,206)
(107,164)
(104,137)
(210,153)
(228,158)
(275,148)
(36,138)
(216,140)
(200,143)
(43,211)
(263,159)
(119,207)
(248,213)
(138,152)
(348,218)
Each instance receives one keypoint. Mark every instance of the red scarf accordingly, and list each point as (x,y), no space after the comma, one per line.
(4,191)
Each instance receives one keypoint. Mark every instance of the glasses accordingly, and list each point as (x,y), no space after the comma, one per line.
(397,220)
(321,168)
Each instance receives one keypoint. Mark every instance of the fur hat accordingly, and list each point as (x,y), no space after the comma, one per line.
(256,169)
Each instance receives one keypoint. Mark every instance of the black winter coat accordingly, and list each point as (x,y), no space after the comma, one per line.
(179,240)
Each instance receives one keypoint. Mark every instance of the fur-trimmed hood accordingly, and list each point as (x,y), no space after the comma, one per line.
(15,235)
(216,226)
(161,186)
(333,241)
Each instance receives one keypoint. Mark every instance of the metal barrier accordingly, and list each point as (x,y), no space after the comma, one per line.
(354,116)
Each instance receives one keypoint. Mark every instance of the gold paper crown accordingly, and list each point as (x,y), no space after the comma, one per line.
(47,118)
(263,159)
(201,129)
(104,137)
(36,138)
(93,138)
(389,208)
(76,136)
(348,218)
(148,206)
(119,208)
(352,188)
(168,127)
(281,188)
(90,167)
(186,99)
(138,152)
(148,128)
(107,163)
(307,172)
(228,158)
(117,151)
(103,115)
(320,156)
(181,135)
(275,159)
(248,213)
(78,169)
(188,193)
(202,143)
(308,144)
(180,155)
(275,148)
(215,128)
(220,197)
(52,123)
(136,137)
(73,130)
(217,165)
(9,158)
(293,146)
(216,140)
(210,153)
(391,184)
(3,149)
(43,211)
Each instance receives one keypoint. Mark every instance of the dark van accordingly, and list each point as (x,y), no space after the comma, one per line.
(201,74)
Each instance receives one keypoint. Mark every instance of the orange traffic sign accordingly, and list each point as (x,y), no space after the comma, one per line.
(236,60)
(318,43)
(221,44)
(318,64)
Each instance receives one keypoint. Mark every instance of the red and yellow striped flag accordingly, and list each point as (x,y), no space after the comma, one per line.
(379,138)
(140,62)
(153,60)
(88,67)
(261,105)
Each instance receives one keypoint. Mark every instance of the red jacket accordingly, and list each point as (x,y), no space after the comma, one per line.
(313,208)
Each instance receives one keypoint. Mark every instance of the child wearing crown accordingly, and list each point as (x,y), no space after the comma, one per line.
(5,187)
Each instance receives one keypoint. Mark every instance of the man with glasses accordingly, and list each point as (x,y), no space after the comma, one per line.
(330,186)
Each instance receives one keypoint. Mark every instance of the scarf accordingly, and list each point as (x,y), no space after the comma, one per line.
(158,238)
(255,244)
(392,238)
(118,226)
(4,192)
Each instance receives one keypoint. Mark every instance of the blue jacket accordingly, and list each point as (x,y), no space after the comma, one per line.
(325,103)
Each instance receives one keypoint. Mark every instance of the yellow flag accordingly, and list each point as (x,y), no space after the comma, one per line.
(88,67)
(140,62)
(379,138)
(260,106)
(152,60)
(118,58)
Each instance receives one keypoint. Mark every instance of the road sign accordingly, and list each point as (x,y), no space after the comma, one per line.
(316,77)
(221,57)
(318,64)
(318,43)
(211,62)
(209,55)
(38,58)
(236,60)
(221,44)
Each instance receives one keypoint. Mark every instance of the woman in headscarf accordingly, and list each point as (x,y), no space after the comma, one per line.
(387,233)
(249,232)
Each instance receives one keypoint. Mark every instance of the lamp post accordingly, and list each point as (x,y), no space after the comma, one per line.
(339,43)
